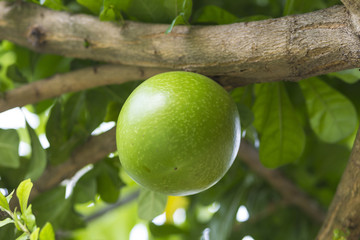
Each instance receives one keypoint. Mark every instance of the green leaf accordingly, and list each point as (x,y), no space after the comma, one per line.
(282,138)
(177,21)
(38,161)
(29,218)
(6,221)
(23,236)
(9,144)
(222,222)
(332,116)
(48,65)
(35,234)
(15,74)
(54,4)
(85,189)
(246,115)
(215,14)
(164,230)
(47,232)
(23,193)
(96,103)
(4,204)
(93,5)
(151,204)
(350,76)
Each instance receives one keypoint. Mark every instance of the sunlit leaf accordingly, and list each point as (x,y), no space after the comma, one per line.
(4,202)
(6,221)
(23,193)
(47,232)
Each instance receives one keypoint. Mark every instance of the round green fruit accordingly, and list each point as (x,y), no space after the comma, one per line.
(178,133)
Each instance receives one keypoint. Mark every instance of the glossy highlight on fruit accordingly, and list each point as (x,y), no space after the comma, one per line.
(178,133)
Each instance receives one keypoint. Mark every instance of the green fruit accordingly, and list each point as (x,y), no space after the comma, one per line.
(178,133)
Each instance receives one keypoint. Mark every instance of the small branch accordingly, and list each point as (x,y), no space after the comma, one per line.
(111,207)
(94,150)
(74,81)
(288,190)
(344,211)
(287,48)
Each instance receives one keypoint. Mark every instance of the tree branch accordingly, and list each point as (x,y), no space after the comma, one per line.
(100,146)
(344,211)
(287,48)
(74,81)
(288,190)
(353,6)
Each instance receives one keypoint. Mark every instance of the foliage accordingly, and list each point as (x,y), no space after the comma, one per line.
(24,220)
(304,129)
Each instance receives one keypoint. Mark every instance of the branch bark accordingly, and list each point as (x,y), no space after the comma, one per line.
(287,48)
(344,211)
(100,146)
(74,81)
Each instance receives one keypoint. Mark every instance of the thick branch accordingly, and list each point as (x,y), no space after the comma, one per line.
(344,211)
(74,81)
(100,146)
(288,48)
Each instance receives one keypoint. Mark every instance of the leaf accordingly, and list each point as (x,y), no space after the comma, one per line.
(177,21)
(282,138)
(246,115)
(9,144)
(47,232)
(29,218)
(23,236)
(15,74)
(23,193)
(96,103)
(6,221)
(54,4)
(151,204)
(215,14)
(85,189)
(350,76)
(222,222)
(35,234)
(332,116)
(164,230)
(38,161)
(4,204)
(93,5)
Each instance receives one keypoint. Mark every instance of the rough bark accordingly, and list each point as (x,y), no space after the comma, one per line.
(72,82)
(287,48)
(100,146)
(344,211)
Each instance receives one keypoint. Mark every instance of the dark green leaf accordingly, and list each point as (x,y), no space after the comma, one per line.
(96,103)
(177,21)
(151,204)
(85,189)
(48,65)
(164,230)
(332,116)
(246,115)
(93,5)
(54,4)
(38,161)
(221,223)
(282,138)
(9,145)
(15,74)
(215,14)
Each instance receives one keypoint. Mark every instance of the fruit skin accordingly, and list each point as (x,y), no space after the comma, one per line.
(178,133)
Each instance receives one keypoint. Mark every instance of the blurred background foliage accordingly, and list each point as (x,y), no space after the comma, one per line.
(319,117)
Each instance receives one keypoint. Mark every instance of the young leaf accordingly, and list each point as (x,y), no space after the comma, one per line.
(4,203)
(5,222)
(23,236)
(151,204)
(9,144)
(37,162)
(23,193)
(332,116)
(282,138)
(47,232)
(29,218)
(35,234)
